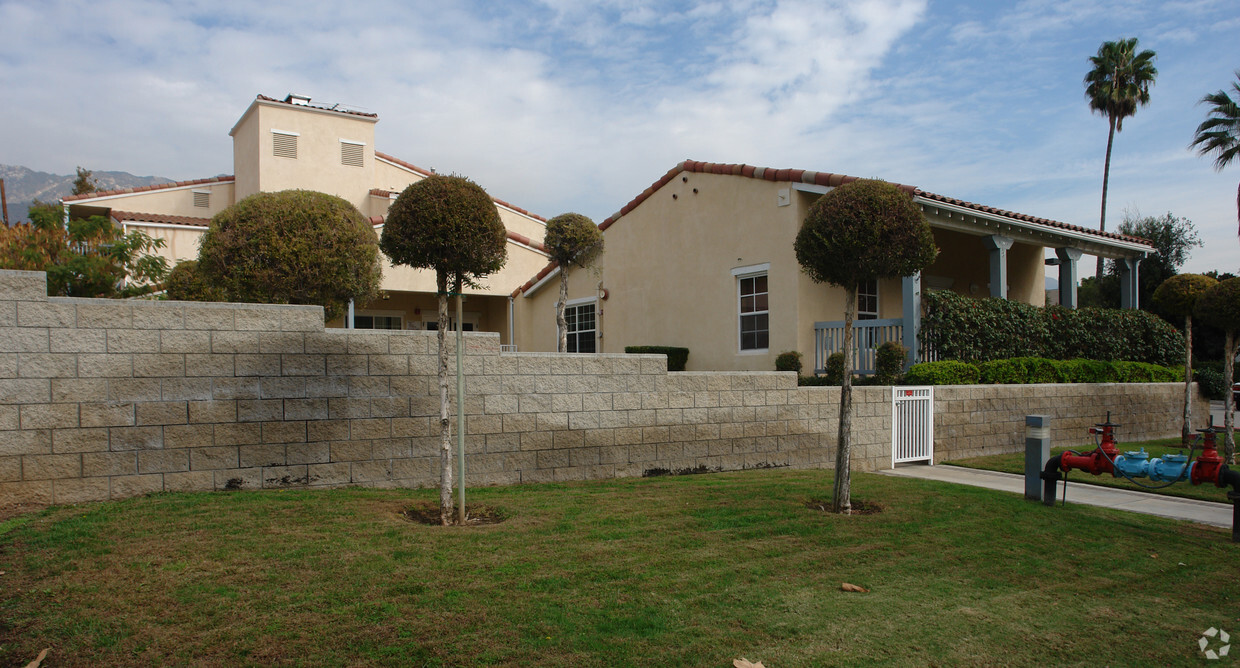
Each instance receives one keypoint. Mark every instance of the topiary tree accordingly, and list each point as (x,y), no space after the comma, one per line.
(292,247)
(1220,306)
(572,240)
(862,231)
(186,283)
(448,224)
(1178,296)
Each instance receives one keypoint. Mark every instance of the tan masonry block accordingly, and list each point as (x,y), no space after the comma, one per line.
(9,417)
(332,386)
(135,438)
(111,365)
(364,342)
(548,459)
(188,436)
(388,365)
(212,411)
(8,314)
(536,440)
(80,490)
(284,432)
(260,410)
(78,341)
(338,409)
(368,428)
(25,340)
(369,386)
(339,473)
(184,341)
(308,453)
(233,342)
(284,343)
(552,421)
(534,403)
(49,416)
(519,422)
(108,414)
(346,365)
(282,388)
(237,479)
(46,314)
(305,409)
(162,412)
(158,315)
(8,365)
(136,485)
(389,407)
(401,448)
(49,467)
(257,365)
(163,461)
(114,314)
(212,458)
(78,390)
(66,441)
(329,430)
(189,481)
(275,477)
(46,365)
(303,365)
(135,389)
(350,451)
(424,365)
(234,388)
(133,341)
(262,455)
(256,319)
(551,384)
(109,463)
(372,472)
(583,420)
(561,365)
(331,342)
(522,386)
(301,318)
(158,366)
(207,364)
(38,492)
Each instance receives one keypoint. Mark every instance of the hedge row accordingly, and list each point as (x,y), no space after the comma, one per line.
(676,357)
(1023,370)
(979,330)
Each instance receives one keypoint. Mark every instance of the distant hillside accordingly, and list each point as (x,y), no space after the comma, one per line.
(23,185)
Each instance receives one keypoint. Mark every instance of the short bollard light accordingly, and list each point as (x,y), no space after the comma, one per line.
(1037,451)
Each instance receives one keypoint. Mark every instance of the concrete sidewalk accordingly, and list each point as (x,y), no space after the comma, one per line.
(1192,510)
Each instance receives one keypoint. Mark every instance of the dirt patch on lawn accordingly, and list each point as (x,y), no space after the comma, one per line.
(475,515)
(859,507)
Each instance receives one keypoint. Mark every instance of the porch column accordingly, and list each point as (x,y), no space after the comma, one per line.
(911,288)
(1128,294)
(998,245)
(1067,275)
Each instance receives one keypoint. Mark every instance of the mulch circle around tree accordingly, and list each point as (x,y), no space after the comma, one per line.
(475,515)
(858,507)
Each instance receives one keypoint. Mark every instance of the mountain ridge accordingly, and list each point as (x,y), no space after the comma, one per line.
(23,185)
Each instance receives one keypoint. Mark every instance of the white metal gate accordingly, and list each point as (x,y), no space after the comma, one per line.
(912,424)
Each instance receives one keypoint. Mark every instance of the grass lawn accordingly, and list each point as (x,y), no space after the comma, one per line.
(692,570)
(1015,463)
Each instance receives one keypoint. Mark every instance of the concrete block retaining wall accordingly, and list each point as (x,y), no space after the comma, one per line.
(106,399)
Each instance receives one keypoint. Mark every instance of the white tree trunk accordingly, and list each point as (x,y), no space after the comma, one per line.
(561,325)
(841,498)
(445,435)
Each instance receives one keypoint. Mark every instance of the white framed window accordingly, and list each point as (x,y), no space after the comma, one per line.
(469,323)
(202,199)
(867,300)
(284,144)
(352,153)
(372,321)
(753,314)
(581,316)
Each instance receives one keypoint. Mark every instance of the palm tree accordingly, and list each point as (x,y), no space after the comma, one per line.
(1119,81)
(1220,133)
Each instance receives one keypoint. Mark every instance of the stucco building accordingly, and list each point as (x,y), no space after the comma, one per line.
(291,143)
(704,259)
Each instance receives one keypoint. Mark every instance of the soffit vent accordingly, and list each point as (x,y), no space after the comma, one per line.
(284,144)
(352,154)
(202,199)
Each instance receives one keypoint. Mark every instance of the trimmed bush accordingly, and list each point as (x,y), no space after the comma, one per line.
(814,381)
(788,361)
(835,369)
(889,362)
(1089,371)
(981,330)
(1210,383)
(949,372)
(676,357)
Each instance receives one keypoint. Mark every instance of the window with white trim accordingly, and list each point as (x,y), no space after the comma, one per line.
(867,300)
(754,316)
(582,321)
(352,153)
(202,199)
(284,144)
(361,321)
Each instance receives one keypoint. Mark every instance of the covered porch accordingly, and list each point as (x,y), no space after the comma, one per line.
(413,310)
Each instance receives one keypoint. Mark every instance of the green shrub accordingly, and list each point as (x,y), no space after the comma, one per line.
(949,372)
(835,369)
(1002,372)
(1210,383)
(980,330)
(1088,371)
(676,357)
(186,283)
(814,381)
(889,362)
(788,361)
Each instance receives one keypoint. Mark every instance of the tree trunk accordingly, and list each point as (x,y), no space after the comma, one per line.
(1106,175)
(1186,434)
(445,435)
(841,499)
(460,401)
(561,325)
(1229,405)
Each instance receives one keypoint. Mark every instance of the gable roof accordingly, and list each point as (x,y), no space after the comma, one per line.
(143,189)
(827,179)
(161,218)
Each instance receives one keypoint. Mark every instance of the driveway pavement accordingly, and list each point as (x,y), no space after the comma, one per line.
(1192,510)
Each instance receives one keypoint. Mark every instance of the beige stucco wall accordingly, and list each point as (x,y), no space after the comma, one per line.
(177,201)
(317,166)
(181,243)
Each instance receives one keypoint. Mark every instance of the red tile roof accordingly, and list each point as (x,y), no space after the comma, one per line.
(512,236)
(142,189)
(814,178)
(166,219)
(426,172)
(321,108)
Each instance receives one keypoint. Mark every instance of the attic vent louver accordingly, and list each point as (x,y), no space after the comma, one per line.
(297,99)
(352,154)
(202,198)
(284,144)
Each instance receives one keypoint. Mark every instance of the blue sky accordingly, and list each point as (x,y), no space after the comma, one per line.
(565,105)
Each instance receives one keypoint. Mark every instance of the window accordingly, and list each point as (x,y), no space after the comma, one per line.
(284,144)
(352,153)
(582,327)
(202,199)
(867,300)
(377,322)
(754,316)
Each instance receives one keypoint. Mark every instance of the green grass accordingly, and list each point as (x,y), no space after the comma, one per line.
(677,571)
(1015,463)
